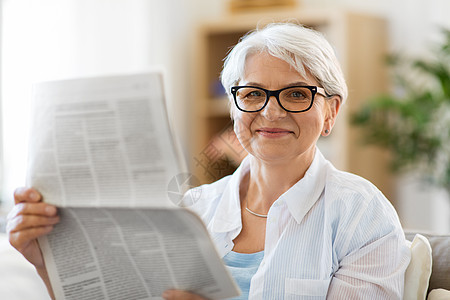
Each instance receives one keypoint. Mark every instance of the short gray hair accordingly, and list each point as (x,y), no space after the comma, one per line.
(297,45)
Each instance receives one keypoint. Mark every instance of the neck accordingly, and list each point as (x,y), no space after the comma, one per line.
(267,181)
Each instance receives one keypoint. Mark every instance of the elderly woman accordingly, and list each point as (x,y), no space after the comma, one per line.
(287,223)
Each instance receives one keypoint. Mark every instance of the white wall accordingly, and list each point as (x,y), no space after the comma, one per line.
(1,82)
(46,40)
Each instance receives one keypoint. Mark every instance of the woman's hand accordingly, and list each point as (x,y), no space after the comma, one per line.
(29,219)
(181,295)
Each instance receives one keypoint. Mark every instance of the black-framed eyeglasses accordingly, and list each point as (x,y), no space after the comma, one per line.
(293,99)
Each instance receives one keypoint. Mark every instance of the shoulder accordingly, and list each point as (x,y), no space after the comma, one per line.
(203,200)
(360,211)
(344,187)
(354,192)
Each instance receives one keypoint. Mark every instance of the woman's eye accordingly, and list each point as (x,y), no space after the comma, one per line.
(297,94)
(255,94)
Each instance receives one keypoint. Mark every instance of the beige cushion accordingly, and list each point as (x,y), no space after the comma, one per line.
(439,294)
(419,269)
(440,275)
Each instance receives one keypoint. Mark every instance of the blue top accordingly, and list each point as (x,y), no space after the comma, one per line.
(242,267)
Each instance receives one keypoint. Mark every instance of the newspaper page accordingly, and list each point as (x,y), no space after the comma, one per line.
(120,253)
(102,142)
(101,150)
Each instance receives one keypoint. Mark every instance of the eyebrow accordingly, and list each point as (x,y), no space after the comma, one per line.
(297,83)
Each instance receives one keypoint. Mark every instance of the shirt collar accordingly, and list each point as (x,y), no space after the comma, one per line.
(301,197)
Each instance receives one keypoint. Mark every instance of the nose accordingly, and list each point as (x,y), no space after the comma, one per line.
(273,110)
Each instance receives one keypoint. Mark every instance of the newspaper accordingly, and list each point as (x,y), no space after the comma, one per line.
(101,149)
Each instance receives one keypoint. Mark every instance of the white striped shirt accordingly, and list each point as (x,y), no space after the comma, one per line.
(332,235)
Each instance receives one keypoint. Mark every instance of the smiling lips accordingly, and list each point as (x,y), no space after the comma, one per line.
(273,132)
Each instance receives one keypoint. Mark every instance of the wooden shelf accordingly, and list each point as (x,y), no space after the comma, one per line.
(219,107)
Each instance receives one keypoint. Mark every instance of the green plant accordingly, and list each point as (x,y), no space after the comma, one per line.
(414,122)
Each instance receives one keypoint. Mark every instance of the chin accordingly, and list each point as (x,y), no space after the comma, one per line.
(272,156)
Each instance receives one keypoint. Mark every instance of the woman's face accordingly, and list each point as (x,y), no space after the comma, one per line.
(274,134)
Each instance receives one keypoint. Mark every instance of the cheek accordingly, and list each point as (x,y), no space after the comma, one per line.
(233,110)
(311,123)
(242,125)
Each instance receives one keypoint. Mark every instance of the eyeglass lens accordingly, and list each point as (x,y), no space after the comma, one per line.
(294,99)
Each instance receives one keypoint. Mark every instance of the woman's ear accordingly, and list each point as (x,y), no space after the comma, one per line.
(332,106)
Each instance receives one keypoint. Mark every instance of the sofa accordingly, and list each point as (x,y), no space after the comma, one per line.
(19,280)
(428,275)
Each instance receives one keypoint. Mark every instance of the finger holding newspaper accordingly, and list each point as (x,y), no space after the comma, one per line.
(29,219)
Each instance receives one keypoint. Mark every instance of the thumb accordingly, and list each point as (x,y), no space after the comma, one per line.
(24,194)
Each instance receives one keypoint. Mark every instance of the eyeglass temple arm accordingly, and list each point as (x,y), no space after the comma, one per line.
(322,92)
